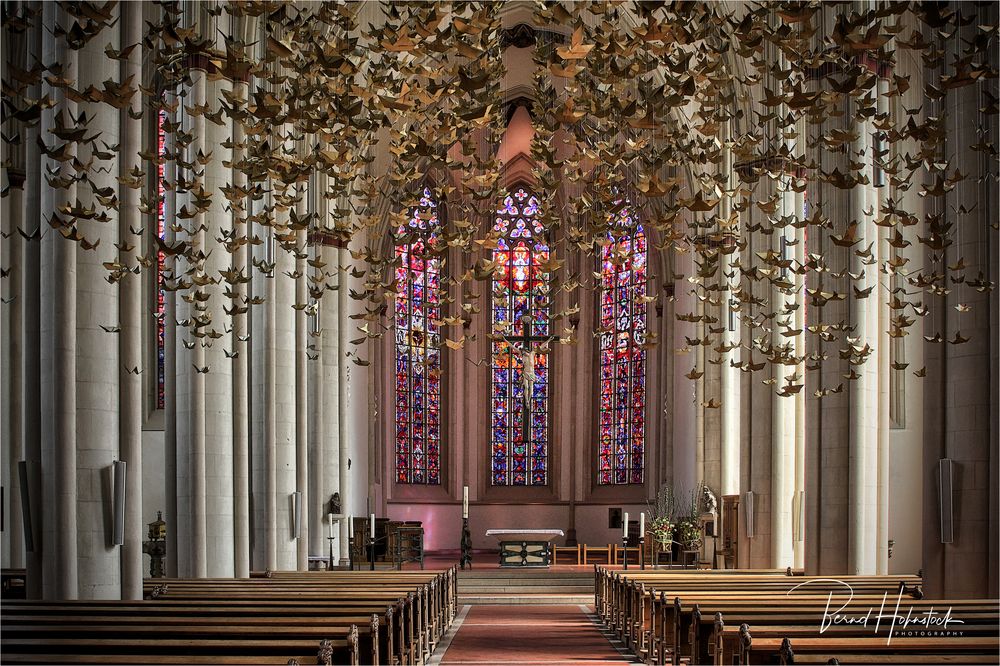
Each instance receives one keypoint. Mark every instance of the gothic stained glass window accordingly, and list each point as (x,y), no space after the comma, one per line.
(520,309)
(622,326)
(161,371)
(418,359)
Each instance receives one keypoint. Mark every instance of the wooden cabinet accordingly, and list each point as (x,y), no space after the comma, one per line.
(730,518)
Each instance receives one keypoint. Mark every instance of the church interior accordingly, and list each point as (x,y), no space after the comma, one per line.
(525,331)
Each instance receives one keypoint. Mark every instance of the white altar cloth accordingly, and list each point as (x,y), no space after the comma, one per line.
(507,536)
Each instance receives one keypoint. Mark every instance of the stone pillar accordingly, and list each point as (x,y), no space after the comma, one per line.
(130,295)
(241,351)
(11,217)
(216,409)
(192,360)
(283,350)
(171,512)
(730,323)
(350,508)
(881,301)
(961,386)
(684,408)
(302,392)
(782,415)
(863,397)
(263,408)
(31,313)
(58,350)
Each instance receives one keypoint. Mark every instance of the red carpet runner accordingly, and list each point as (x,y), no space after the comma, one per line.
(529,635)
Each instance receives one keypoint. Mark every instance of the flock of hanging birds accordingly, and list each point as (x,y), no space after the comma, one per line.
(633,103)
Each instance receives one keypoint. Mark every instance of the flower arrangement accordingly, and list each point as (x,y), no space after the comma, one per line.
(688,532)
(661,529)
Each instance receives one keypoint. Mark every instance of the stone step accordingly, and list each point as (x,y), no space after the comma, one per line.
(518,599)
(514,580)
(526,590)
(527,572)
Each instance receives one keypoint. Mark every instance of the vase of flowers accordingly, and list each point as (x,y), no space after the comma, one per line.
(662,531)
(688,532)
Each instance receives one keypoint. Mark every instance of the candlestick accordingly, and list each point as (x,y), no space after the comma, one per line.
(642,524)
(625,526)
(465,502)
(330,516)
(371,523)
(350,527)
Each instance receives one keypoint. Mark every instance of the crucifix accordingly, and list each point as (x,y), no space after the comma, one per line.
(522,347)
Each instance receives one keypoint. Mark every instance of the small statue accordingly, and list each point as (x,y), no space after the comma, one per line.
(156,546)
(708,499)
(335,505)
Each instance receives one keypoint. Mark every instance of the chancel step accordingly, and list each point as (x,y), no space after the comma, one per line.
(539,586)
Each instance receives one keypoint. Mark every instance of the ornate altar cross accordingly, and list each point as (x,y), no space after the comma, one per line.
(524,345)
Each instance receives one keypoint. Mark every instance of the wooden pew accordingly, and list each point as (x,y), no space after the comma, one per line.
(868,650)
(328,617)
(979,619)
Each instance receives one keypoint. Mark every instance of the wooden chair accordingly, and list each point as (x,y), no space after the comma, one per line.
(597,554)
(570,554)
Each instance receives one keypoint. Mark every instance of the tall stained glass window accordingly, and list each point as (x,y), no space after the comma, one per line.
(161,371)
(520,310)
(622,326)
(418,359)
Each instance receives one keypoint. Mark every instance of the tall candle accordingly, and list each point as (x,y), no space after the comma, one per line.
(371,522)
(642,524)
(465,501)
(625,526)
(350,527)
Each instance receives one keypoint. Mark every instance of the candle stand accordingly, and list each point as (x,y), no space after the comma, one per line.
(466,544)
(642,553)
(329,562)
(371,553)
(625,551)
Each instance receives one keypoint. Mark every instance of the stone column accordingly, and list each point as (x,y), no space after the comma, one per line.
(241,351)
(302,392)
(192,359)
(350,508)
(216,408)
(799,344)
(782,413)
(684,472)
(863,397)
(171,513)
(883,293)
(11,217)
(58,349)
(263,407)
(730,322)
(31,313)
(283,399)
(130,295)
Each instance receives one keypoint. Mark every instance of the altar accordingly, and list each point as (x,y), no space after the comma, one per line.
(525,548)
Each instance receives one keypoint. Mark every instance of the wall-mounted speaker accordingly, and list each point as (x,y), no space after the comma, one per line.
(748,507)
(29,534)
(118,508)
(946,499)
(297,514)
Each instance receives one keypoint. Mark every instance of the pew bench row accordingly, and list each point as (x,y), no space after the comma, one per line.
(674,617)
(313,619)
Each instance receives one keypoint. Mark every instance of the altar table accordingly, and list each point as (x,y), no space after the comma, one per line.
(525,548)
